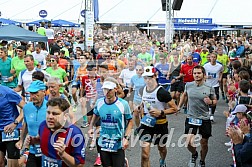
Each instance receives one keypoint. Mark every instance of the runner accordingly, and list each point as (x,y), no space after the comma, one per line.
(62,143)
(162,70)
(154,124)
(40,56)
(25,77)
(7,79)
(214,75)
(9,125)
(223,59)
(187,74)
(88,93)
(199,96)
(137,82)
(34,114)
(177,85)
(116,125)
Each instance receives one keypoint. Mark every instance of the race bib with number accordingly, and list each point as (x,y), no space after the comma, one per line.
(195,121)
(50,162)
(37,150)
(27,97)
(10,136)
(41,62)
(148,120)
(213,75)
(110,145)
(5,78)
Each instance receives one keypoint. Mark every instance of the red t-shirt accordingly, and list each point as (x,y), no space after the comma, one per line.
(188,71)
(63,63)
(89,84)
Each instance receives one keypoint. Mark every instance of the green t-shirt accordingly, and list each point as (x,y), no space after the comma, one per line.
(41,31)
(59,73)
(18,64)
(203,58)
(28,52)
(66,51)
(5,67)
(145,57)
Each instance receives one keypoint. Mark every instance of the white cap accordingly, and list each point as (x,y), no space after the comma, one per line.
(240,108)
(108,85)
(149,71)
(102,50)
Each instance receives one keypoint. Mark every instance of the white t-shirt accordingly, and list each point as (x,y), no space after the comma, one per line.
(26,78)
(49,33)
(126,76)
(40,58)
(213,71)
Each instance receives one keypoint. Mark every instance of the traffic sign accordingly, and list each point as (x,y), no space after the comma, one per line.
(83,13)
(43,13)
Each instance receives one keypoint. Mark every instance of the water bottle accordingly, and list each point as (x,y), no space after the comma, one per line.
(148,120)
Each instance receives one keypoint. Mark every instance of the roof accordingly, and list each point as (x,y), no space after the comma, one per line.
(13,32)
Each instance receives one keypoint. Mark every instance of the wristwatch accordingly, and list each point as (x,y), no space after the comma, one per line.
(127,137)
(16,122)
(162,113)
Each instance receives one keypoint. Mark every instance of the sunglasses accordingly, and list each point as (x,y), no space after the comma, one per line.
(52,60)
(149,77)
(139,69)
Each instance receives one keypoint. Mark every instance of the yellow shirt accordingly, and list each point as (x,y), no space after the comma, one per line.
(224,61)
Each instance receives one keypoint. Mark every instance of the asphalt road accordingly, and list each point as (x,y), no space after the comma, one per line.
(178,156)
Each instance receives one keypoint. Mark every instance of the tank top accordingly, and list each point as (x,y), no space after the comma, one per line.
(151,97)
(175,70)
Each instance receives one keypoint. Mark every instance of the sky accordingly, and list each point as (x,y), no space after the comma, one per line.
(225,12)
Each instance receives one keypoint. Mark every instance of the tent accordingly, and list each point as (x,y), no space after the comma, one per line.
(4,22)
(13,32)
(64,23)
(37,22)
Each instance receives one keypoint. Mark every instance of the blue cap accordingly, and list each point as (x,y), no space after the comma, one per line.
(35,86)
(67,43)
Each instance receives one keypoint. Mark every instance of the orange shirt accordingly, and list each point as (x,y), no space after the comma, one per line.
(63,63)
(81,72)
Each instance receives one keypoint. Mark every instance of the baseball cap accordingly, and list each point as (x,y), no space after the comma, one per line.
(67,43)
(35,86)
(21,47)
(149,71)
(102,50)
(108,85)
(240,108)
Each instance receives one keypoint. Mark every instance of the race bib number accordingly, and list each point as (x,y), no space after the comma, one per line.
(37,151)
(195,121)
(5,78)
(41,62)
(27,97)
(110,145)
(10,136)
(148,120)
(213,75)
(50,162)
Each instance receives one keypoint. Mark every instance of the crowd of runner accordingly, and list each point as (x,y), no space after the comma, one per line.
(125,85)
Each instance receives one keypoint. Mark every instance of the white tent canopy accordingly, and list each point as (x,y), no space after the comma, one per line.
(223,12)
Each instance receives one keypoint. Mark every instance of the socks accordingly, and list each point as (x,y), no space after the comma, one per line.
(85,118)
(162,161)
